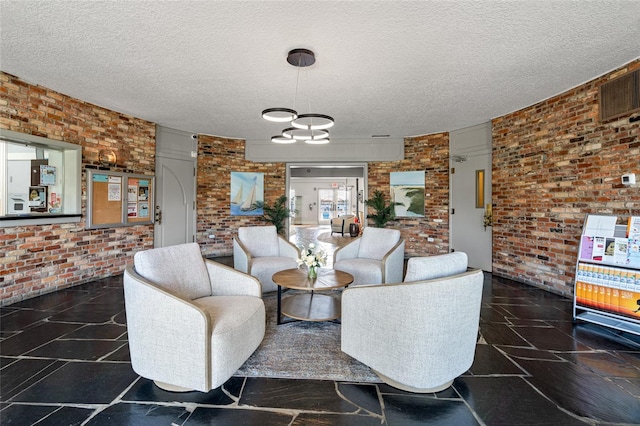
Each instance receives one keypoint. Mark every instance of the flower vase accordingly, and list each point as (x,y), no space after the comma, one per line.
(313,272)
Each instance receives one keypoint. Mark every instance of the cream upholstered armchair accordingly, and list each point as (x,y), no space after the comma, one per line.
(191,323)
(341,223)
(417,336)
(259,251)
(376,257)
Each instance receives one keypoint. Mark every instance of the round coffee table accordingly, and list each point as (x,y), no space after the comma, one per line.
(309,306)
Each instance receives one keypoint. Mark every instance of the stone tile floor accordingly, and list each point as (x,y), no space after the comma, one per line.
(64,361)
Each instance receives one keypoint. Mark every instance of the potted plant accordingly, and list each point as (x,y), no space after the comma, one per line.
(277,213)
(383,212)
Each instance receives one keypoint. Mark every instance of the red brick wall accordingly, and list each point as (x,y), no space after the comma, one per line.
(41,259)
(431,154)
(217,158)
(553,163)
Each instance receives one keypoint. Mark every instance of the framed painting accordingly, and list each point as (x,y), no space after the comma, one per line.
(407,189)
(247,194)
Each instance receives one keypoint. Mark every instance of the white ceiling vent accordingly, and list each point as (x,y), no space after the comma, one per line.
(620,96)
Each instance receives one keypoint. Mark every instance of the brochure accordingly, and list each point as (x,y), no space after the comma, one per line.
(633,227)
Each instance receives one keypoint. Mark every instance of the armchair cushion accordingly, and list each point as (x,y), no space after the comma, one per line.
(261,241)
(375,245)
(179,268)
(364,271)
(263,269)
(432,267)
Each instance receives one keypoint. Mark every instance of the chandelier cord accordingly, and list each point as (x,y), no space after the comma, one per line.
(295,97)
(306,76)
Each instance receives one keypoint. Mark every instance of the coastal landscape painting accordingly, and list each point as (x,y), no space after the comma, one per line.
(247,194)
(407,188)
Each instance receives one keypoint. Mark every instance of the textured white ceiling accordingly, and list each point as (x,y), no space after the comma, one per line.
(400,68)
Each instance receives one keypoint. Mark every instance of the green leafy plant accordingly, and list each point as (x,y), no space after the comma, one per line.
(383,212)
(277,213)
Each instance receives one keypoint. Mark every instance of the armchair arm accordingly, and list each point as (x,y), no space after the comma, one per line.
(156,323)
(241,257)
(226,281)
(349,251)
(393,264)
(287,249)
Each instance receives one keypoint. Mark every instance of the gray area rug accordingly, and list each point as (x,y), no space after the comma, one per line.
(303,350)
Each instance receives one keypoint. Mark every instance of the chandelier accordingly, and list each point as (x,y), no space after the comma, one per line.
(311,128)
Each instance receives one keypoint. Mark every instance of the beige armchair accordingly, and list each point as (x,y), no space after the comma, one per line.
(260,252)
(191,322)
(376,257)
(417,336)
(341,223)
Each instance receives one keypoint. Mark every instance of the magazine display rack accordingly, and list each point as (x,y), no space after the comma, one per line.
(607,283)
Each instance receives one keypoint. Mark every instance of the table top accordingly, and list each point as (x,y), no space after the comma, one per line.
(327,279)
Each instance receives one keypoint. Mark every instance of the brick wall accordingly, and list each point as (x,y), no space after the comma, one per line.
(41,259)
(431,154)
(553,163)
(217,158)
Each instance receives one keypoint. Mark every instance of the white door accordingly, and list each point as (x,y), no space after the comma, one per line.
(468,233)
(175,198)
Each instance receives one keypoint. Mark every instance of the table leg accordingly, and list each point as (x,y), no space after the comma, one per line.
(279,306)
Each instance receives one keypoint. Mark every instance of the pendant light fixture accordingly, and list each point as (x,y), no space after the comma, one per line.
(282,139)
(304,134)
(279,115)
(308,127)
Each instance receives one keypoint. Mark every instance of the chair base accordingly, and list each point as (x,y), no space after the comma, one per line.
(406,388)
(171,388)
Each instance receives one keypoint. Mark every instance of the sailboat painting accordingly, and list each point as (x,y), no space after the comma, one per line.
(247,194)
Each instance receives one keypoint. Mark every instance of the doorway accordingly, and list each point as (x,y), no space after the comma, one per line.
(175,198)
(335,201)
(322,191)
(175,221)
(470,189)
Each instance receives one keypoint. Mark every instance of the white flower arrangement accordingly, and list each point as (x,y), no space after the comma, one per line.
(313,257)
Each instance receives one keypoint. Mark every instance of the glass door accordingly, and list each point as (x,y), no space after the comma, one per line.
(334,202)
(327,210)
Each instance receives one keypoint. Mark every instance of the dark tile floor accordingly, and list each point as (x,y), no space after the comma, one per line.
(64,361)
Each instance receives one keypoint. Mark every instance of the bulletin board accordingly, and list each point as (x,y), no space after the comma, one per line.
(118,199)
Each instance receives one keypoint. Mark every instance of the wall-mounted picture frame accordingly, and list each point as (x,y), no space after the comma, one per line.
(247,194)
(407,188)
